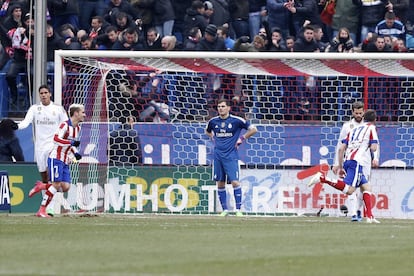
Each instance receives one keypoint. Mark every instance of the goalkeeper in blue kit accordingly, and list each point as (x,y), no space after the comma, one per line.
(225,130)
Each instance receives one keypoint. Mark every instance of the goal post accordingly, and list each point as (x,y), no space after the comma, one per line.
(161,160)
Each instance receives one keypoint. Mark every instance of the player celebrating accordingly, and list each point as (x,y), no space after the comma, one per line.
(354,200)
(357,148)
(225,129)
(357,120)
(45,117)
(65,140)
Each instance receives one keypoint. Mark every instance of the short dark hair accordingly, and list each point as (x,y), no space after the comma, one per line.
(357,105)
(370,115)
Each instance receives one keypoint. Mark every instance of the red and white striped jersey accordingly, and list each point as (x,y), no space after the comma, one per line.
(358,143)
(62,148)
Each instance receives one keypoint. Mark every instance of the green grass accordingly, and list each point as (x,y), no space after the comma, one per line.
(203,245)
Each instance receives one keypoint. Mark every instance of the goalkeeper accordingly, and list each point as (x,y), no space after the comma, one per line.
(225,129)
(66,141)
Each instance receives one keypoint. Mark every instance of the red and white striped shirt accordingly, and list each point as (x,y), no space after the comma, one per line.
(359,141)
(62,148)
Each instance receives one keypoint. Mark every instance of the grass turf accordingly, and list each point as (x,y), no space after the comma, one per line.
(203,245)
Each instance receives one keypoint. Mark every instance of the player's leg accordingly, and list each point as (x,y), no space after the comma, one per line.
(56,168)
(41,160)
(220,178)
(366,196)
(232,169)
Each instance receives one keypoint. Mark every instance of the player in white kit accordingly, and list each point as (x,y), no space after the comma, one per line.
(45,118)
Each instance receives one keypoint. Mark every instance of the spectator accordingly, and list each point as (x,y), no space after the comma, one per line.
(219,10)
(13,21)
(169,43)
(210,40)
(180,7)
(163,18)
(195,17)
(239,14)
(145,9)
(128,40)
(302,11)
(375,44)
(123,21)
(116,6)
(88,43)
(399,46)
(400,8)
(10,149)
(257,11)
(372,12)
(64,11)
(346,15)
(190,43)
(54,42)
(342,42)
(391,26)
(22,52)
(97,27)
(277,43)
(242,44)
(306,43)
(278,15)
(125,144)
(153,41)
(317,36)
(290,42)
(107,40)
(223,32)
(67,32)
(88,9)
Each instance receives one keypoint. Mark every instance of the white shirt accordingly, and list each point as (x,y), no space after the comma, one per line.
(359,141)
(346,128)
(45,120)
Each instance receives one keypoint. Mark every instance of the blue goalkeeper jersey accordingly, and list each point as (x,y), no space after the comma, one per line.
(226,132)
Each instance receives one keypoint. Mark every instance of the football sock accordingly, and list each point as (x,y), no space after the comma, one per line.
(353,204)
(48,195)
(222,194)
(366,196)
(237,196)
(337,184)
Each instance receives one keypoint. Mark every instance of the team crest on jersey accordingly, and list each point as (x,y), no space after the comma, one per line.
(39,108)
(230,125)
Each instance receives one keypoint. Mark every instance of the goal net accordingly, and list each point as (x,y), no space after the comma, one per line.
(143,142)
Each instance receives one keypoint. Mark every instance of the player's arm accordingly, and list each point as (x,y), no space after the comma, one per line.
(341,154)
(342,135)
(249,133)
(58,138)
(28,118)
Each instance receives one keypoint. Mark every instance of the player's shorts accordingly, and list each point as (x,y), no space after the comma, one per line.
(58,171)
(226,167)
(354,174)
(41,160)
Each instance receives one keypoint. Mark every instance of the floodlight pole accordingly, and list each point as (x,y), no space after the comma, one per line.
(39,53)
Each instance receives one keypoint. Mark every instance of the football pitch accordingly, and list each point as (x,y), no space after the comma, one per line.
(155,244)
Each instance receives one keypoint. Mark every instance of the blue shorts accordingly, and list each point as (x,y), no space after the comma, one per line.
(223,168)
(354,174)
(58,171)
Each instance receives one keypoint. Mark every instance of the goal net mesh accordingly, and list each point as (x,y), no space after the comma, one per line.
(145,149)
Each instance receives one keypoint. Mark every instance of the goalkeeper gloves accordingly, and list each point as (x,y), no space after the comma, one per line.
(75,143)
(77,156)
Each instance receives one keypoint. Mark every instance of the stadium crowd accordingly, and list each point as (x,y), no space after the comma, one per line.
(196,25)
